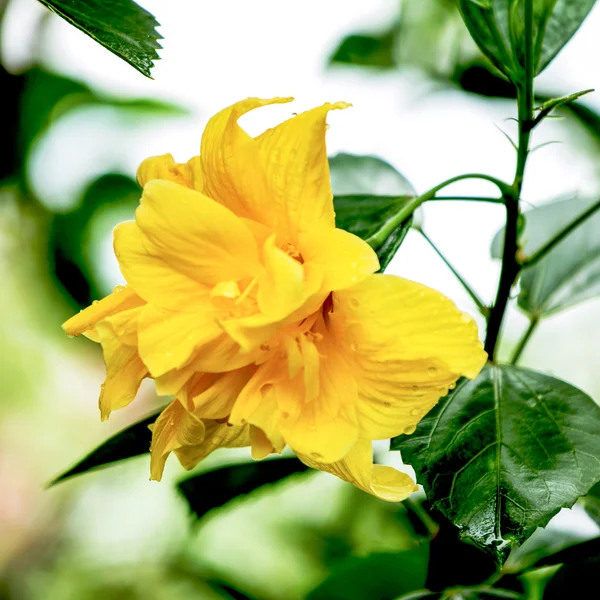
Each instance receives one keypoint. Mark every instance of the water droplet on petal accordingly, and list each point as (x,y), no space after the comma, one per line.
(415,411)
(353,347)
(451,386)
(266,388)
(118,288)
(432,371)
(316,455)
(285,415)
(409,429)
(415,388)
(94,302)
(354,303)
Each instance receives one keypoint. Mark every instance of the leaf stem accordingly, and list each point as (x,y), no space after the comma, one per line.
(510,266)
(560,236)
(533,323)
(478,301)
(378,238)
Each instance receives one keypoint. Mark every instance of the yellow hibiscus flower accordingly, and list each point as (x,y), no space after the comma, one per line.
(268,323)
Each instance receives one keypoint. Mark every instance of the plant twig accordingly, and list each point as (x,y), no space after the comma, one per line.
(533,323)
(474,296)
(560,236)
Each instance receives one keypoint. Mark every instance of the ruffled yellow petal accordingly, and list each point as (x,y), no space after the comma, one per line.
(172,340)
(164,167)
(297,171)
(150,275)
(407,344)
(174,428)
(233,170)
(344,258)
(217,435)
(124,368)
(313,413)
(195,235)
(123,298)
(358,469)
(281,287)
(212,395)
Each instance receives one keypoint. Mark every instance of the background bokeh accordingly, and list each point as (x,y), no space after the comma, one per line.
(76,122)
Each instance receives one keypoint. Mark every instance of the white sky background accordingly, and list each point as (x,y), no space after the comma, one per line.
(217,52)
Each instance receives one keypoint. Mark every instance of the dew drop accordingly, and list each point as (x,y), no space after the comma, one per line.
(415,411)
(118,288)
(386,403)
(451,386)
(432,371)
(316,455)
(354,303)
(94,302)
(353,347)
(415,388)
(409,429)
(285,415)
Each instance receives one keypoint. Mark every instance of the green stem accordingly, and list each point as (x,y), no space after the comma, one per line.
(378,238)
(521,345)
(510,265)
(478,301)
(560,236)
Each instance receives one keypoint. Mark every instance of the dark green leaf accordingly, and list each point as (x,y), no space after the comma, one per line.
(121,26)
(501,455)
(380,576)
(367,50)
(215,488)
(564,19)
(591,503)
(490,32)
(132,441)
(570,272)
(368,192)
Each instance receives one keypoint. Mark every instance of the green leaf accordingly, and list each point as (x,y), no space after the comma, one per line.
(379,576)
(563,21)
(121,26)
(570,272)
(367,50)
(368,192)
(490,33)
(497,26)
(591,503)
(501,455)
(215,488)
(132,441)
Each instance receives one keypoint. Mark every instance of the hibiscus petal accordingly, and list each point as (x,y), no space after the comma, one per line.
(231,163)
(357,468)
(164,167)
(124,368)
(344,258)
(173,339)
(407,345)
(150,276)
(297,170)
(217,435)
(123,298)
(195,235)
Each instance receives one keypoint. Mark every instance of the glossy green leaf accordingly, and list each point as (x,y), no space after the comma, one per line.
(489,31)
(132,441)
(368,192)
(379,576)
(501,455)
(497,26)
(570,272)
(563,21)
(367,50)
(121,26)
(215,488)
